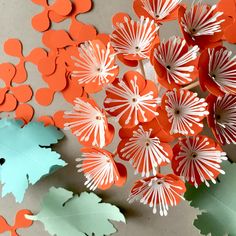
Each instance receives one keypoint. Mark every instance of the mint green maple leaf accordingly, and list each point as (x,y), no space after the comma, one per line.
(64,214)
(25,155)
(218,204)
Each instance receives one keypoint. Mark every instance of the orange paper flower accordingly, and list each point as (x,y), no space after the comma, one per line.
(217,71)
(89,123)
(145,147)
(222,118)
(182,112)
(131,99)
(133,40)
(100,169)
(93,65)
(175,63)
(157,10)
(198,160)
(162,190)
(201,25)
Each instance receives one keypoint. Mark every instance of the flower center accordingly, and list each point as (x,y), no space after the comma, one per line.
(137,48)
(168,67)
(218,116)
(177,112)
(193,31)
(134,100)
(157,16)
(194,155)
(98,117)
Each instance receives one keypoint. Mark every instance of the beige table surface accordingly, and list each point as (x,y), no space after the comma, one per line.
(15,22)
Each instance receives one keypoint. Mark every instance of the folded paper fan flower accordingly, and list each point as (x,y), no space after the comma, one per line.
(175,63)
(100,169)
(222,118)
(157,10)
(182,112)
(146,147)
(93,65)
(198,160)
(217,71)
(89,123)
(131,99)
(162,190)
(201,25)
(133,40)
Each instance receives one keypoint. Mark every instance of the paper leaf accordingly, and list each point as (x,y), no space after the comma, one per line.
(25,156)
(217,203)
(64,214)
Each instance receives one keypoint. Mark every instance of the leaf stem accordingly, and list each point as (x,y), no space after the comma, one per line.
(192,85)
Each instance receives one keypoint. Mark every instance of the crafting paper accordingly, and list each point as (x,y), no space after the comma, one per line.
(63,214)
(100,169)
(207,32)
(182,112)
(20,222)
(159,11)
(27,155)
(124,96)
(174,71)
(222,118)
(217,204)
(195,159)
(217,71)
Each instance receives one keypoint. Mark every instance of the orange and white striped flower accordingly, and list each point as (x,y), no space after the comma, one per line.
(94,65)
(201,25)
(222,118)
(88,123)
(100,169)
(145,146)
(217,71)
(198,160)
(182,112)
(175,63)
(133,40)
(158,10)
(162,190)
(132,99)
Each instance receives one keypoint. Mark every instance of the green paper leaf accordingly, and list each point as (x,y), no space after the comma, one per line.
(218,203)
(24,155)
(64,214)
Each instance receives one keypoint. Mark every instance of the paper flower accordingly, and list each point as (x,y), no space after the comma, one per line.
(198,160)
(162,190)
(175,63)
(217,71)
(222,118)
(89,123)
(157,10)
(100,169)
(182,112)
(94,65)
(131,99)
(201,25)
(146,147)
(133,40)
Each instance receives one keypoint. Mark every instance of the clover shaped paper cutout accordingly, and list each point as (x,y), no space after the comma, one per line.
(26,155)
(20,222)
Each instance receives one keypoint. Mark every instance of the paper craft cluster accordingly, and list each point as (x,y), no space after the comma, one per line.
(162,120)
